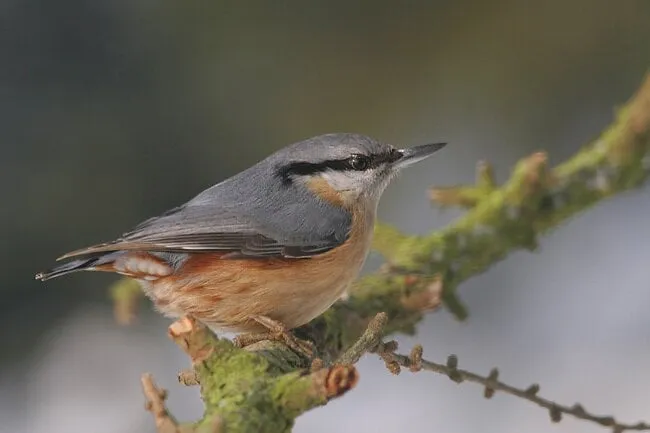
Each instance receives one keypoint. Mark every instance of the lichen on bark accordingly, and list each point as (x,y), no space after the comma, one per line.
(265,387)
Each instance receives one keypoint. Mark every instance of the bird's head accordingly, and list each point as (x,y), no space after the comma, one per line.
(344,168)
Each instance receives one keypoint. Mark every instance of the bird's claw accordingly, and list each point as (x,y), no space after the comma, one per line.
(276,332)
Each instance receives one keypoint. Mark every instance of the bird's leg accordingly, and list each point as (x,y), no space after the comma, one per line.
(276,332)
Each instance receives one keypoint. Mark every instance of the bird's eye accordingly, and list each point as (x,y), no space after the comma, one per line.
(359,162)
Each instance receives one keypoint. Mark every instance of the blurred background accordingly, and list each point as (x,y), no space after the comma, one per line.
(112,112)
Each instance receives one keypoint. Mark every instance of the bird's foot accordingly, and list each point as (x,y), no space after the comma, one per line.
(276,332)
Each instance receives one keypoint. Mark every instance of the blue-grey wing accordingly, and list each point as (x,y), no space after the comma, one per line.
(293,233)
(252,214)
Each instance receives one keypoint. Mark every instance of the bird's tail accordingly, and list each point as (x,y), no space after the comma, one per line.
(83,264)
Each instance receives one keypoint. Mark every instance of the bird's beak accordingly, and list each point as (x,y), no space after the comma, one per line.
(416,154)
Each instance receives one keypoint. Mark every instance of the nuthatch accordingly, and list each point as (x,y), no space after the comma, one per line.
(277,243)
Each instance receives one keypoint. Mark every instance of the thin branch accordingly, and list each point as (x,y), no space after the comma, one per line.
(193,337)
(386,352)
(368,340)
(491,383)
(155,403)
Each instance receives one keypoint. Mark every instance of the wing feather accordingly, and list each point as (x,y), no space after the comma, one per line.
(210,229)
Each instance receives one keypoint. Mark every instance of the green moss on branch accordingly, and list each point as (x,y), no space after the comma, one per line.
(500,220)
(265,388)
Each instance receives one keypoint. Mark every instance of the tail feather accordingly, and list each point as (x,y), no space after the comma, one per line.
(85,264)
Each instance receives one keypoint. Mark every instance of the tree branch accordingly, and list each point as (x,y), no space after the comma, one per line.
(491,383)
(500,221)
(367,342)
(265,387)
(155,403)
(243,391)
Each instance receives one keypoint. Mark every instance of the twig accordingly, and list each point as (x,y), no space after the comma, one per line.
(193,337)
(368,340)
(386,352)
(415,362)
(155,404)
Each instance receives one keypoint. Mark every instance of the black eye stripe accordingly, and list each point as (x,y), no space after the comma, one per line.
(307,168)
(387,157)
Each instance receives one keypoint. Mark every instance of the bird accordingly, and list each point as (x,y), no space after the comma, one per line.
(266,250)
